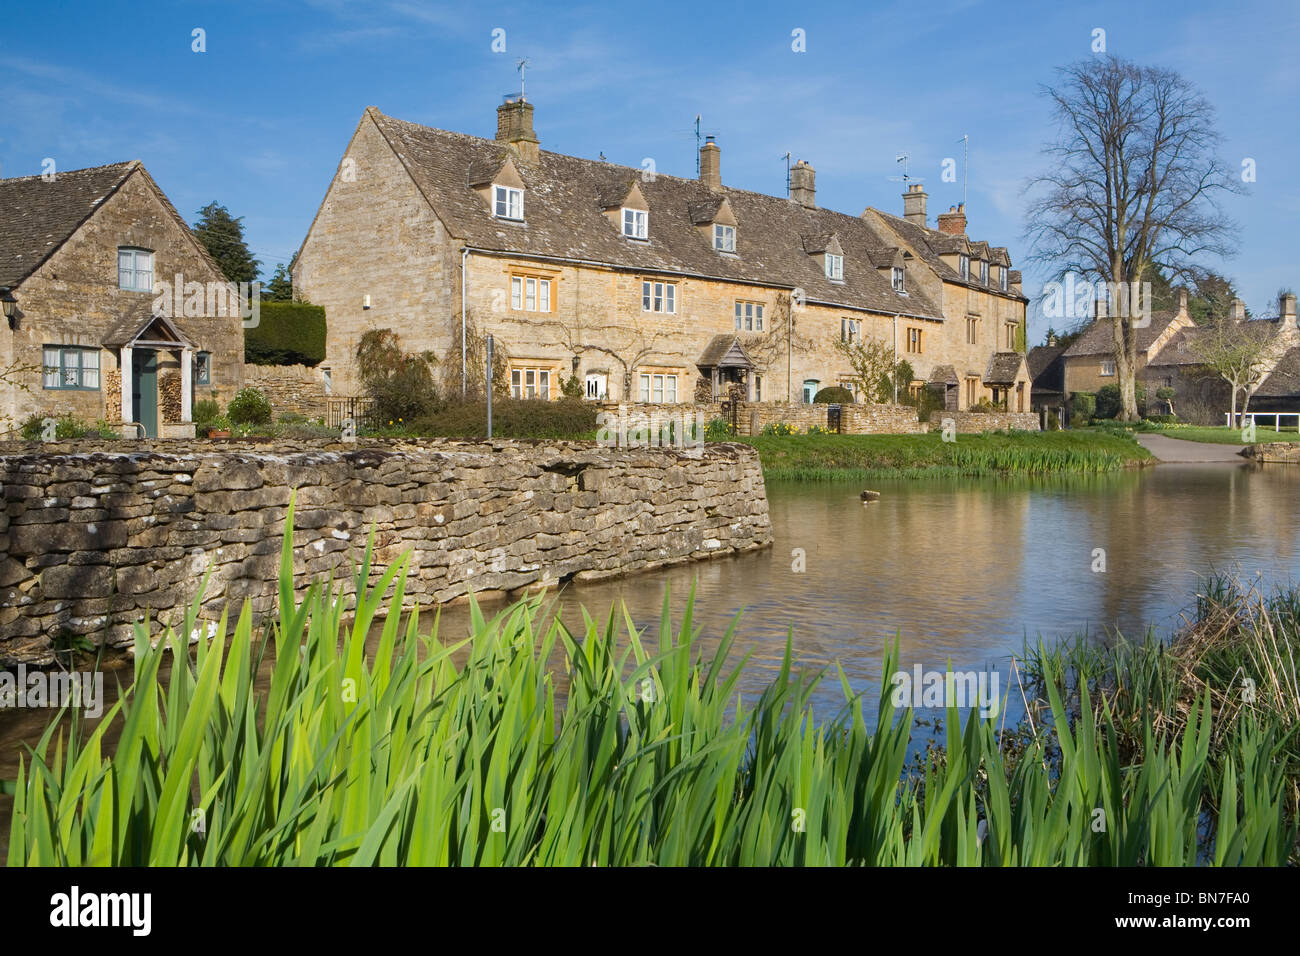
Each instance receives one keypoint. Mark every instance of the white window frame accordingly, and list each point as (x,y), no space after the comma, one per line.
(597,385)
(896,278)
(1107,367)
(963,267)
(134,269)
(508,203)
(1002,277)
(658,296)
(984,272)
(659,388)
(636,223)
(724,238)
(834,267)
(749,316)
(530,293)
(531,382)
(850,330)
(58,362)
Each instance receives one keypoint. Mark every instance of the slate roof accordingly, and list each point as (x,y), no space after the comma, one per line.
(724,351)
(1046,368)
(931,245)
(37,217)
(564,218)
(1099,339)
(1284,380)
(1003,368)
(944,375)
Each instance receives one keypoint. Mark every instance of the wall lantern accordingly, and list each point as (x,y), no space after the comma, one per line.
(9,303)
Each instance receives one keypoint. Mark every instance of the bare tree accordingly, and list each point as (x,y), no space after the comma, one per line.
(872,361)
(1239,353)
(1134,183)
(629,347)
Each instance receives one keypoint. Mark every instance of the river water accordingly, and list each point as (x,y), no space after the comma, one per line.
(960,571)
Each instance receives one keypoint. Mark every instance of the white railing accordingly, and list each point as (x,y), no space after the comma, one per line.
(1276,416)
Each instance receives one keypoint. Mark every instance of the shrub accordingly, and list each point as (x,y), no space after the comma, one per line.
(780,428)
(1109,404)
(292,418)
(287,333)
(833,394)
(1082,407)
(511,418)
(205,411)
(249,407)
(572,387)
(65,426)
(719,429)
(400,383)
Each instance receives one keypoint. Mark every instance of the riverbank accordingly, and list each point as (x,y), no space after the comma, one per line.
(837,457)
(653,760)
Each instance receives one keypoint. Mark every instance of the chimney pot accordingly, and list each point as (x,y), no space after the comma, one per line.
(953,222)
(1286,310)
(914,205)
(1238,310)
(711,164)
(803,188)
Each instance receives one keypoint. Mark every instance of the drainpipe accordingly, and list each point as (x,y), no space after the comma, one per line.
(894,376)
(464,375)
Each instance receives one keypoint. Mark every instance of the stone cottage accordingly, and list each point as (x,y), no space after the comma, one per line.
(113,310)
(646,287)
(1169,357)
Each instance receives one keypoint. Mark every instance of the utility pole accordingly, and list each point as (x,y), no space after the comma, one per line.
(489,386)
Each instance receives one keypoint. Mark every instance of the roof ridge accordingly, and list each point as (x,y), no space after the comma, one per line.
(125,164)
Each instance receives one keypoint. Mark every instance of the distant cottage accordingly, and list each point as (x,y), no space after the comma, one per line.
(647,287)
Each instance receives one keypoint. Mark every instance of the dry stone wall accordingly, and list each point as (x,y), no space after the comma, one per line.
(972,423)
(93,539)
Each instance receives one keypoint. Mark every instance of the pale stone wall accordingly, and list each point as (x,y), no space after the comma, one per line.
(970,423)
(95,537)
(753,417)
(289,388)
(73,299)
(375,235)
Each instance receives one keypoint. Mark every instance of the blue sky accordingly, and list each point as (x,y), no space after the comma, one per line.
(259,121)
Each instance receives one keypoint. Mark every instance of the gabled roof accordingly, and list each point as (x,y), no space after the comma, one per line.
(1284,380)
(1046,369)
(564,219)
(931,245)
(155,330)
(1004,368)
(37,217)
(944,375)
(1099,337)
(724,351)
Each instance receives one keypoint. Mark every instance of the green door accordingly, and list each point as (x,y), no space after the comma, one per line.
(144,389)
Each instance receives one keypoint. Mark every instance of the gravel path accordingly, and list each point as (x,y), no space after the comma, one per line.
(1176,450)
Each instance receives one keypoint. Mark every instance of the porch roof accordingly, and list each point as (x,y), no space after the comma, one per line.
(156,330)
(724,351)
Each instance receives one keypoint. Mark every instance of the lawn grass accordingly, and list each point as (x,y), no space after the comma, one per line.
(1222,435)
(834,457)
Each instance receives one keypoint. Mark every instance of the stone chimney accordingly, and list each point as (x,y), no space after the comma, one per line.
(802,188)
(1051,340)
(711,164)
(1237,310)
(914,205)
(1182,305)
(515,127)
(953,222)
(1286,310)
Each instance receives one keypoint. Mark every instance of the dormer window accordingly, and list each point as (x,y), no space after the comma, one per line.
(1002,277)
(135,270)
(896,274)
(636,223)
(984,272)
(834,267)
(508,203)
(964,267)
(724,238)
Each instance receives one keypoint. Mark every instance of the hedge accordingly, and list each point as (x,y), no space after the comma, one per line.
(289,333)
